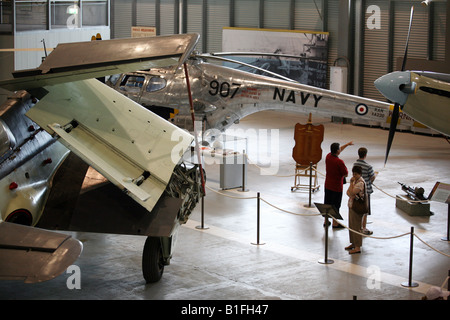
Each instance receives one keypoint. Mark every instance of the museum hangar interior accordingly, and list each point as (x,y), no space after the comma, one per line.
(260,237)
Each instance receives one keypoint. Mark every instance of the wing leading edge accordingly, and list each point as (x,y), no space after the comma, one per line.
(93,59)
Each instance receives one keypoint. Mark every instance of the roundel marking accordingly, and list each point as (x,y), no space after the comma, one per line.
(361,109)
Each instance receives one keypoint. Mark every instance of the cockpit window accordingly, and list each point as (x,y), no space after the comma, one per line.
(113,79)
(132,83)
(155,84)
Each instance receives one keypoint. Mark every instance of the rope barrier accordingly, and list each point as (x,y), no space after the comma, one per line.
(290,212)
(318,214)
(229,196)
(444,254)
(370,236)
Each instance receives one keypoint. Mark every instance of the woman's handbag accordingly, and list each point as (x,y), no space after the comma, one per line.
(360,204)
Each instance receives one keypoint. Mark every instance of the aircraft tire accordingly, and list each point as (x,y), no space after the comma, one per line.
(152,260)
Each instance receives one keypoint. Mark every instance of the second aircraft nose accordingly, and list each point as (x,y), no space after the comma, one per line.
(391,84)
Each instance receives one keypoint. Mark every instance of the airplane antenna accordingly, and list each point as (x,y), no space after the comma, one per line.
(45,49)
(396,111)
(193,123)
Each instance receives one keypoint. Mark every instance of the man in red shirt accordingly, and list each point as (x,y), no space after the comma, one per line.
(336,171)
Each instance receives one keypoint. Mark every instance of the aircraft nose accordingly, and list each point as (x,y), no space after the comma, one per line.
(395,86)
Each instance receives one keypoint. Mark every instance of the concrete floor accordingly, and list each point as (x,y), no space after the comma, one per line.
(222,263)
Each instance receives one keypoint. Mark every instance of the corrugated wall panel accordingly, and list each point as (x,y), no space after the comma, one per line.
(218,16)
(276,14)
(167,19)
(376,49)
(417,47)
(308,15)
(145,13)
(246,14)
(439,26)
(122,19)
(333,26)
(195,20)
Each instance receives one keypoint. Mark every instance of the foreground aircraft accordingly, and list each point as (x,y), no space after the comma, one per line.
(61,120)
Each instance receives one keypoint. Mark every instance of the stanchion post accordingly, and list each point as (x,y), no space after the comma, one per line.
(310,186)
(326,260)
(410,283)
(310,182)
(202,225)
(258,220)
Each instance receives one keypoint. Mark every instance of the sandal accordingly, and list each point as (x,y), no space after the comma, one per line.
(353,251)
(350,247)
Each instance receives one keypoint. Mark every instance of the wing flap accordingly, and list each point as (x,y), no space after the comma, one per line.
(96,152)
(132,147)
(35,255)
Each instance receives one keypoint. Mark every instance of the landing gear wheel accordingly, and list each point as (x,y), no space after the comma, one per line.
(152,260)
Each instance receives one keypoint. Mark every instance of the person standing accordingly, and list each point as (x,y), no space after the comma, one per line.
(336,171)
(369,176)
(355,188)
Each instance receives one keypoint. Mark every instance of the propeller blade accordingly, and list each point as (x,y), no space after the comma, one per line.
(396,111)
(407,38)
(392,129)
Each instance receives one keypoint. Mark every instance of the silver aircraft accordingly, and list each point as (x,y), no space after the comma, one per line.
(223,95)
(59,122)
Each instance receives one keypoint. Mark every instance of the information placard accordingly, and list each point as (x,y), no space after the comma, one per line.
(440,193)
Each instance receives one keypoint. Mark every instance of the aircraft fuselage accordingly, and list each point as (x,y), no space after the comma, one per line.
(223,96)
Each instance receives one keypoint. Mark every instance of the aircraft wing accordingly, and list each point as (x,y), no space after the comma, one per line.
(35,255)
(132,147)
(93,59)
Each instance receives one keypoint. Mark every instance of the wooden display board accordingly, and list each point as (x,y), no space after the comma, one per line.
(308,139)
